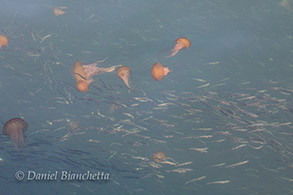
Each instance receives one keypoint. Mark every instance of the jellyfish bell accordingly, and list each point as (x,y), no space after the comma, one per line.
(159,71)
(82,86)
(3,41)
(14,128)
(82,81)
(159,157)
(59,11)
(181,43)
(124,73)
(78,71)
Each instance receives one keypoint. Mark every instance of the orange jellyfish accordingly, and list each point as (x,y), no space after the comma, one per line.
(124,73)
(159,157)
(159,71)
(14,128)
(59,11)
(84,73)
(3,41)
(181,43)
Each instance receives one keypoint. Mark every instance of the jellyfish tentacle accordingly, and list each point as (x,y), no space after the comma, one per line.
(95,63)
(175,50)
(124,73)
(111,69)
(91,70)
(89,80)
(166,71)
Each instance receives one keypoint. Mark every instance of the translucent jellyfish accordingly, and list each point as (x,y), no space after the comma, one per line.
(3,41)
(14,128)
(159,71)
(181,43)
(124,73)
(84,73)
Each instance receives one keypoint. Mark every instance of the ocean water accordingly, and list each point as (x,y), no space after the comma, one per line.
(223,116)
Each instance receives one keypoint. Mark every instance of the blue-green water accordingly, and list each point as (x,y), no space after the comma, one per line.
(223,116)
